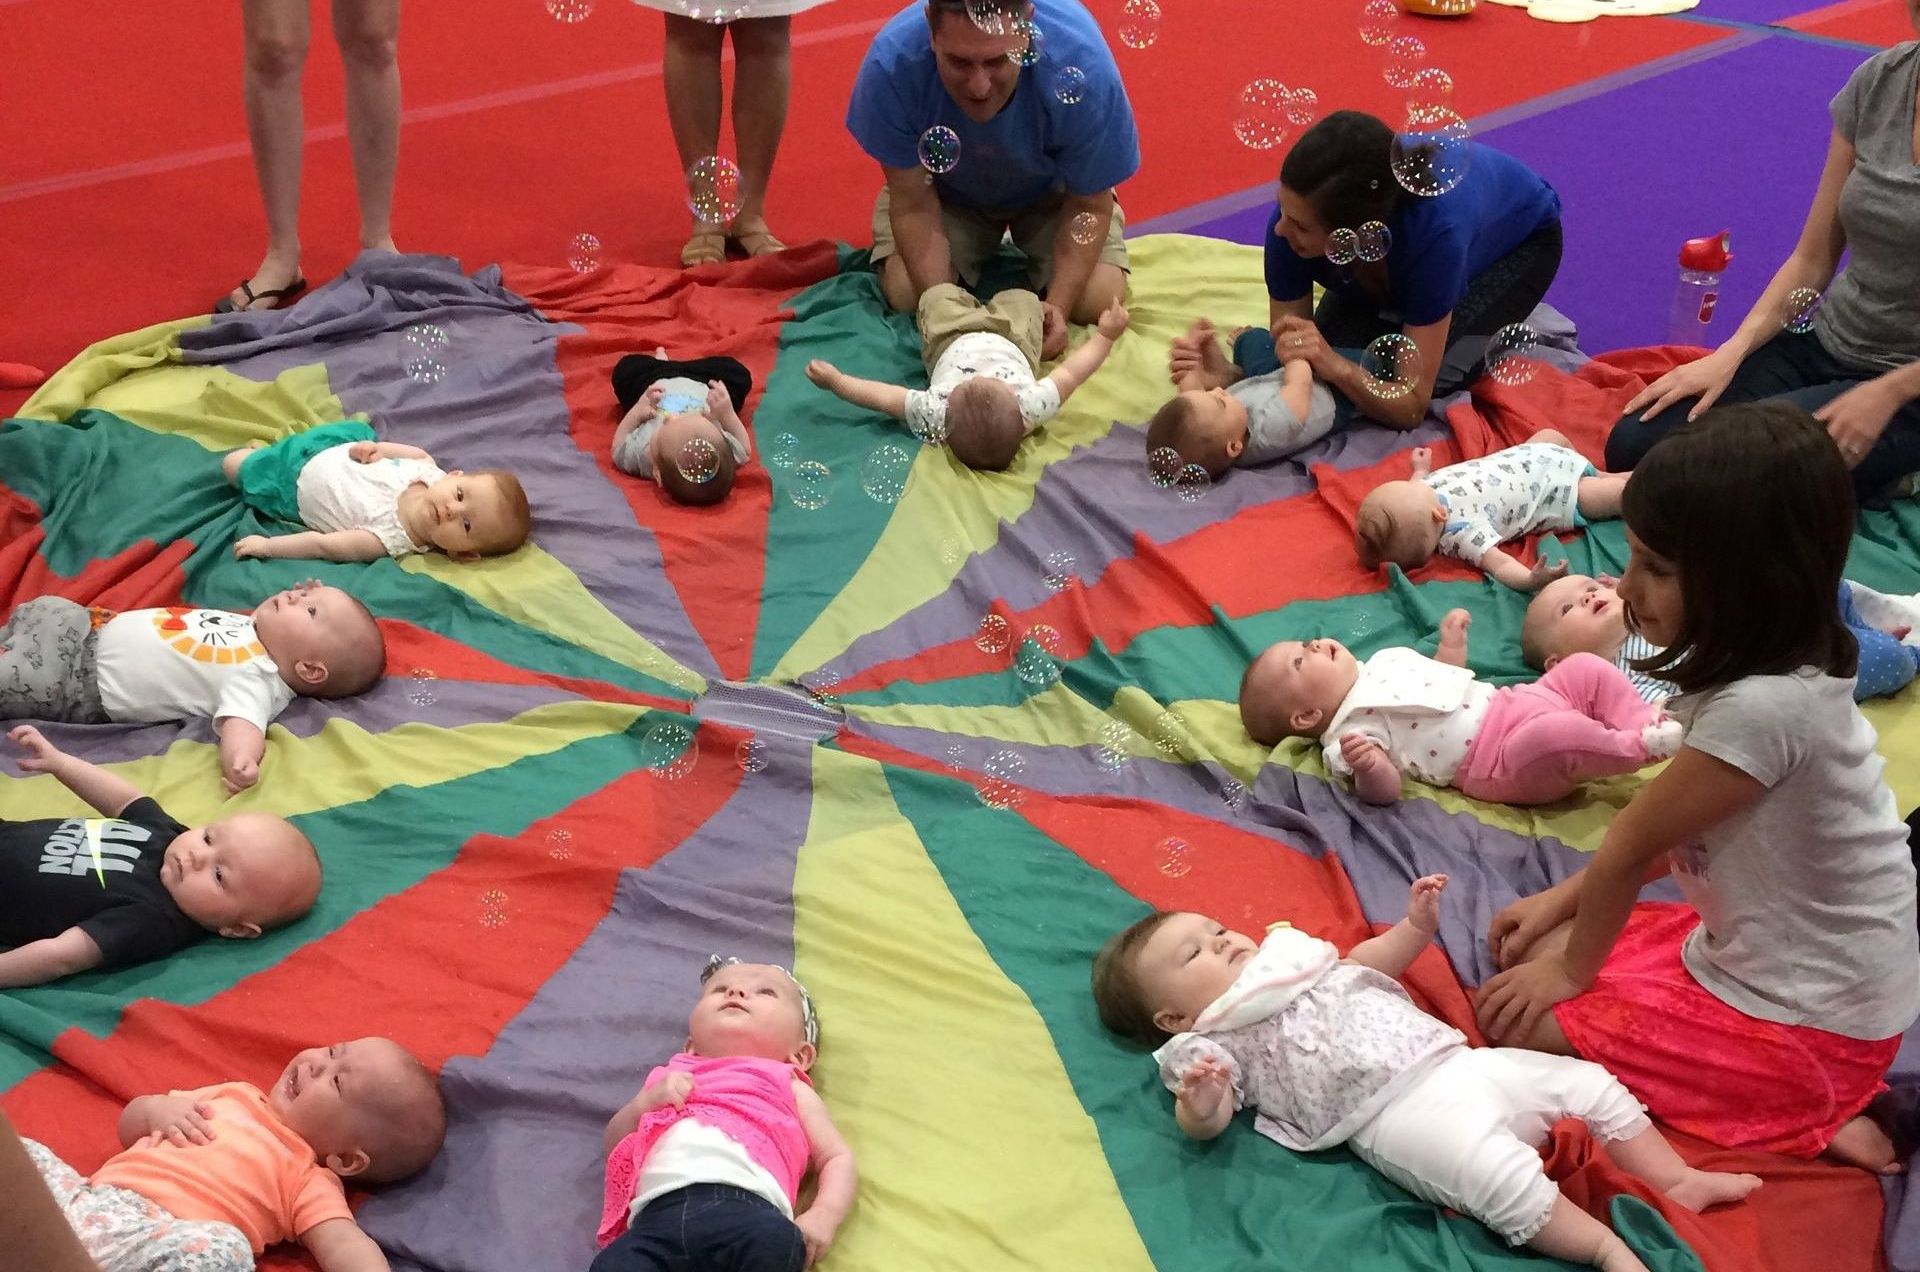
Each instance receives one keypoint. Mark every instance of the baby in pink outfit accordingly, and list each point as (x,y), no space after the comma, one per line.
(1428,718)
(704,1165)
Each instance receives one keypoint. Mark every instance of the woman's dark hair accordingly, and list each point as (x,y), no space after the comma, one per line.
(1343,165)
(1754,508)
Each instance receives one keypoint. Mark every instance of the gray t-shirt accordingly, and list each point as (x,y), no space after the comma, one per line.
(1274,431)
(1870,320)
(1806,899)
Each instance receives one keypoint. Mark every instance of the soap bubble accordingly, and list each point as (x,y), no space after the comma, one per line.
(1116,745)
(1303,107)
(420,347)
(713,189)
(583,253)
(1193,483)
(1406,54)
(1059,575)
(698,461)
(820,686)
(884,475)
(420,693)
(1510,354)
(1803,306)
(782,451)
(1027,51)
(424,337)
(1163,466)
(719,14)
(1392,364)
(932,432)
(995,635)
(1233,793)
(570,11)
(991,16)
(1139,23)
(559,844)
(939,149)
(1173,855)
(1430,87)
(1343,246)
(1372,241)
(1070,85)
(1085,228)
(751,755)
(1261,120)
(668,750)
(1170,736)
(812,485)
(1430,153)
(953,552)
(1038,659)
(1378,18)
(1005,770)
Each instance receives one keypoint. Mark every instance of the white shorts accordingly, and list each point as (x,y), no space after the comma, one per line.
(1467,1134)
(124,1232)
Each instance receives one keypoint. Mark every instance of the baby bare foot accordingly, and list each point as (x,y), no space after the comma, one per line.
(1862,1142)
(1663,738)
(1699,1189)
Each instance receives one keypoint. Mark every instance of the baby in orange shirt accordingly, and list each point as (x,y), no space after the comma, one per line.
(210,1178)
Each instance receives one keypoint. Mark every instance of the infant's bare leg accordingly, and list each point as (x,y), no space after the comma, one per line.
(1551,437)
(1576,1236)
(230,464)
(1652,1158)
(1599,497)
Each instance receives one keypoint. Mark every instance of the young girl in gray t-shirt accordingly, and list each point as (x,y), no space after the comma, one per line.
(1763,1012)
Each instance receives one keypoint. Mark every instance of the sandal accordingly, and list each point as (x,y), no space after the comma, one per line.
(705,247)
(279,296)
(755,239)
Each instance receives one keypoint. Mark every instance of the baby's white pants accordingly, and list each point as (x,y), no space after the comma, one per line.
(1467,1133)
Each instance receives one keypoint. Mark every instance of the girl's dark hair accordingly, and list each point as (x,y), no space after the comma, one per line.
(1754,508)
(1343,165)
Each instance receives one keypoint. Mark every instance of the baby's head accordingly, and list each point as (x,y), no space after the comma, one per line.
(368,1108)
(326,642)
(1293,689)
(1207,427)
(242,875)
(1572,615)
(984,427)
(476,515)
(691,459)
(1154,979)
(752,1009)
(1399,521)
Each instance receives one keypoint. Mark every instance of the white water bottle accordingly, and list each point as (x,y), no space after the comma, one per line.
(1702,263)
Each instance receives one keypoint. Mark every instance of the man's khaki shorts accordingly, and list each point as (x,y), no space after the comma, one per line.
(974,236)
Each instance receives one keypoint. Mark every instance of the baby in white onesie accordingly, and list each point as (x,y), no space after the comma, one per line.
(984,392)
(1467,510)
(1332,1051)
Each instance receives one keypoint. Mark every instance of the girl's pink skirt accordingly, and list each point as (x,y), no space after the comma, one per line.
(1706,1068)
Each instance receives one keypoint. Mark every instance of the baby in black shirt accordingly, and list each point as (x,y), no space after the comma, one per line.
(84,892)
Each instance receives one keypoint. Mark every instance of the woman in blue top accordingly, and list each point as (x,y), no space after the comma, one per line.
(1461,265)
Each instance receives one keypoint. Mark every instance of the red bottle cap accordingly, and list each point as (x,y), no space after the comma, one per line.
(1709,254)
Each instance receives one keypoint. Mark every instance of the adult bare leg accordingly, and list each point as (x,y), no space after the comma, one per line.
(762,78)
(368,32)
(277,33)
(692,80)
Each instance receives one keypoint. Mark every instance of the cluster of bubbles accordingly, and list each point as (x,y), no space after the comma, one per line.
(1168,471)
(713,189)
(420,349)
(1510,359)
(995,635)
(1139,23)
(1070,85)
(750,755)
(420,689)
(1370,243)
(1059,574)
(1392,364)
(1803,306)
(698,460)
(1430,155)
(1038,659)
(570,11)
(939,149)
(668,750)
(1175,857)
(811,485)
(1005,771)
(559,843)
(1268,111)
(493,908)
(583,253)
(884,475)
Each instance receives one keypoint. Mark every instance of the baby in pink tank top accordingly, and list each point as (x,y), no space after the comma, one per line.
(705,1164)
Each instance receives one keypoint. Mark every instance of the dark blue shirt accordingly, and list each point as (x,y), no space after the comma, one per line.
(1439,244)
(1036,146)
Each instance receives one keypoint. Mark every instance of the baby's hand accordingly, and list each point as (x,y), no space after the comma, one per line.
(1545,572)
(654,393)
(673,1089)
(1423,903)
(719,401)
(1114,320)
(817,1233)
(1204,1085)
(179,1120)
(363,452)
(1454,626)
(41,755)
(823,373)
(1422,459)
(1361,752)
(254,545)
(238,774)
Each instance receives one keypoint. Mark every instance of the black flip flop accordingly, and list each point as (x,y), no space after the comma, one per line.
(279,296)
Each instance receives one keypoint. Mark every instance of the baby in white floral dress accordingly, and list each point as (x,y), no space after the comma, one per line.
(1332,1051)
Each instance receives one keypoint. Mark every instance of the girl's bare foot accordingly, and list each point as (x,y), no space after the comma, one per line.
(1862,1143)
(1699,1189)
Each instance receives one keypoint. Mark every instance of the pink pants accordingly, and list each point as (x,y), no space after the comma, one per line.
(1538,742)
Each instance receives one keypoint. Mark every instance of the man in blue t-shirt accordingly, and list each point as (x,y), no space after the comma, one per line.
(1040,150)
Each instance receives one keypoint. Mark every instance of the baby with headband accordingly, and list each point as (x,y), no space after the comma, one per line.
(704,1165)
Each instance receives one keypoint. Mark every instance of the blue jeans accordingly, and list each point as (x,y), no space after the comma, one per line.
(1797,369)
(707,1228)
(1886,665)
